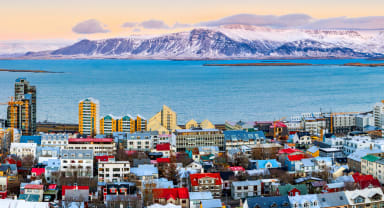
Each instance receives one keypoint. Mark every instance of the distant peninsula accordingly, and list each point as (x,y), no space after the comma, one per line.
(26,70)
(261,64)
(361,64)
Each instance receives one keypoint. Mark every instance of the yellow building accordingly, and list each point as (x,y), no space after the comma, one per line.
(163,121)
(89,117)
(108,125)
(206,124)
(141,123)
(126,124)
(313,151)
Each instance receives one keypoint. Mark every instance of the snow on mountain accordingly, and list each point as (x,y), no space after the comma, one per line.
(232,41)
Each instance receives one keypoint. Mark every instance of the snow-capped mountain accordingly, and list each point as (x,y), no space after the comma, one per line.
(231,41)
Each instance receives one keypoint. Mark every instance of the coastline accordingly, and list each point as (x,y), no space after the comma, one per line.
(27,71)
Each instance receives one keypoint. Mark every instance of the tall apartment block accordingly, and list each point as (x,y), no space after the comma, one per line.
(378,114)
(163,121)
(89,116)
(126,124)
(21,112)
(110,124)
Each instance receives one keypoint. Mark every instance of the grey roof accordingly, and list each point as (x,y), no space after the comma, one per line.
(267,202)
(247,183)
(332,199)
(211,203)
(308,162)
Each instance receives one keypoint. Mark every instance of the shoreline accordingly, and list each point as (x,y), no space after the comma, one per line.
(28,71)
(261,64)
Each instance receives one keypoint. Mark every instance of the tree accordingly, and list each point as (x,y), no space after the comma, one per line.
(242,160)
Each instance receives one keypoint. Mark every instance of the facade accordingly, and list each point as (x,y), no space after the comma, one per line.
(141,123)
(201,182)
(54,140)
(331,153)
(126,124)
(21,112)
(314,125)
(245,189)
(139,141)
(23,149)
(100,147)
(302,139)
(355,143)
(176,196)
(113,171)
(89,116)
(369,198)
(364,120)
(378,114)
(164,121)
(78,162)
(373,165)
(354,159)
(191,138)
(343,124)
(108,124)
(236,138)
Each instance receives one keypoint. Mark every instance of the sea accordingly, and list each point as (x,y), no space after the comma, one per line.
(195,91)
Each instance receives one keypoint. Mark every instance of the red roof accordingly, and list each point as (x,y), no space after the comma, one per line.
(288,151)
(10,160)
(166,193)
(38,171)
(130,152)
(163,160)
(365,181)
(104,157)
(163,147)
(278,124)
(33,186)
(64,188)
(52,186)
(195,178)
(237,168)
(86,140)
(295,157)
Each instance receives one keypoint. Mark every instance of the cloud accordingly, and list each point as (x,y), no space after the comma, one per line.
(136,30)
(129,24)
(290,20)
(154,24)
(181,25)
(359,23)
(89,27)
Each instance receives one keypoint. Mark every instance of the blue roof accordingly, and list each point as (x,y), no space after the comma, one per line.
(243,135)
(20,78)
(267,202)
(144,170)
(262,163)
(211,203)
(31,139)
(313,149)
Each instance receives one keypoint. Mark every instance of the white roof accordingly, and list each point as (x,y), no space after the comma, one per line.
(22,204)
(247,183)
(366,193)
(200,195)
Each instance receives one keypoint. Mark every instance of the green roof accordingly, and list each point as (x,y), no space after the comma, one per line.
(283,190)
(371,158)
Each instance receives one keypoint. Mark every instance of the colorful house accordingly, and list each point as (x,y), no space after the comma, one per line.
(176,196)
(313,151)
(292,160)
(206,182)
(292,190)
(365,181)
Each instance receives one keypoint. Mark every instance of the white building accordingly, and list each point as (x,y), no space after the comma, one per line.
(79,161)
(363,121)
(245,189)
(302,138)
(113,171)
(54,140)
(357,143)
(99,146)
(378,114)
(314,125)
(23,149)
(369,197)
(337,142)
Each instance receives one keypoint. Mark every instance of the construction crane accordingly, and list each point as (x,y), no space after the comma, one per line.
(274,127)
(340,113)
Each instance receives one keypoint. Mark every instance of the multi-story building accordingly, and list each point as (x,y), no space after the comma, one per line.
(368,198)
(201,182)
(113,171)
(176,196)
(335,142)
(364,120)
(126,124)
(89,116)
(99,146)
(345,123)
(164,121)
(191,138)
(237,138)
(355,143)
(141,123)
(77,161)
(21,113)
(354,159)
(108,124)
(23,149)
(378,114)
(245,189)
(314,125)
(54,140)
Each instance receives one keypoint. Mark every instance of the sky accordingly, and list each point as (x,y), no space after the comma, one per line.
(94,19)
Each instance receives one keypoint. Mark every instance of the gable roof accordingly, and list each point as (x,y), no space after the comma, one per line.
(313,149)
(167,193)
(33,186)
(38,171)
(295,157)
(284,189)
(371,158)
(195,178)
(288,151)
(365,181)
